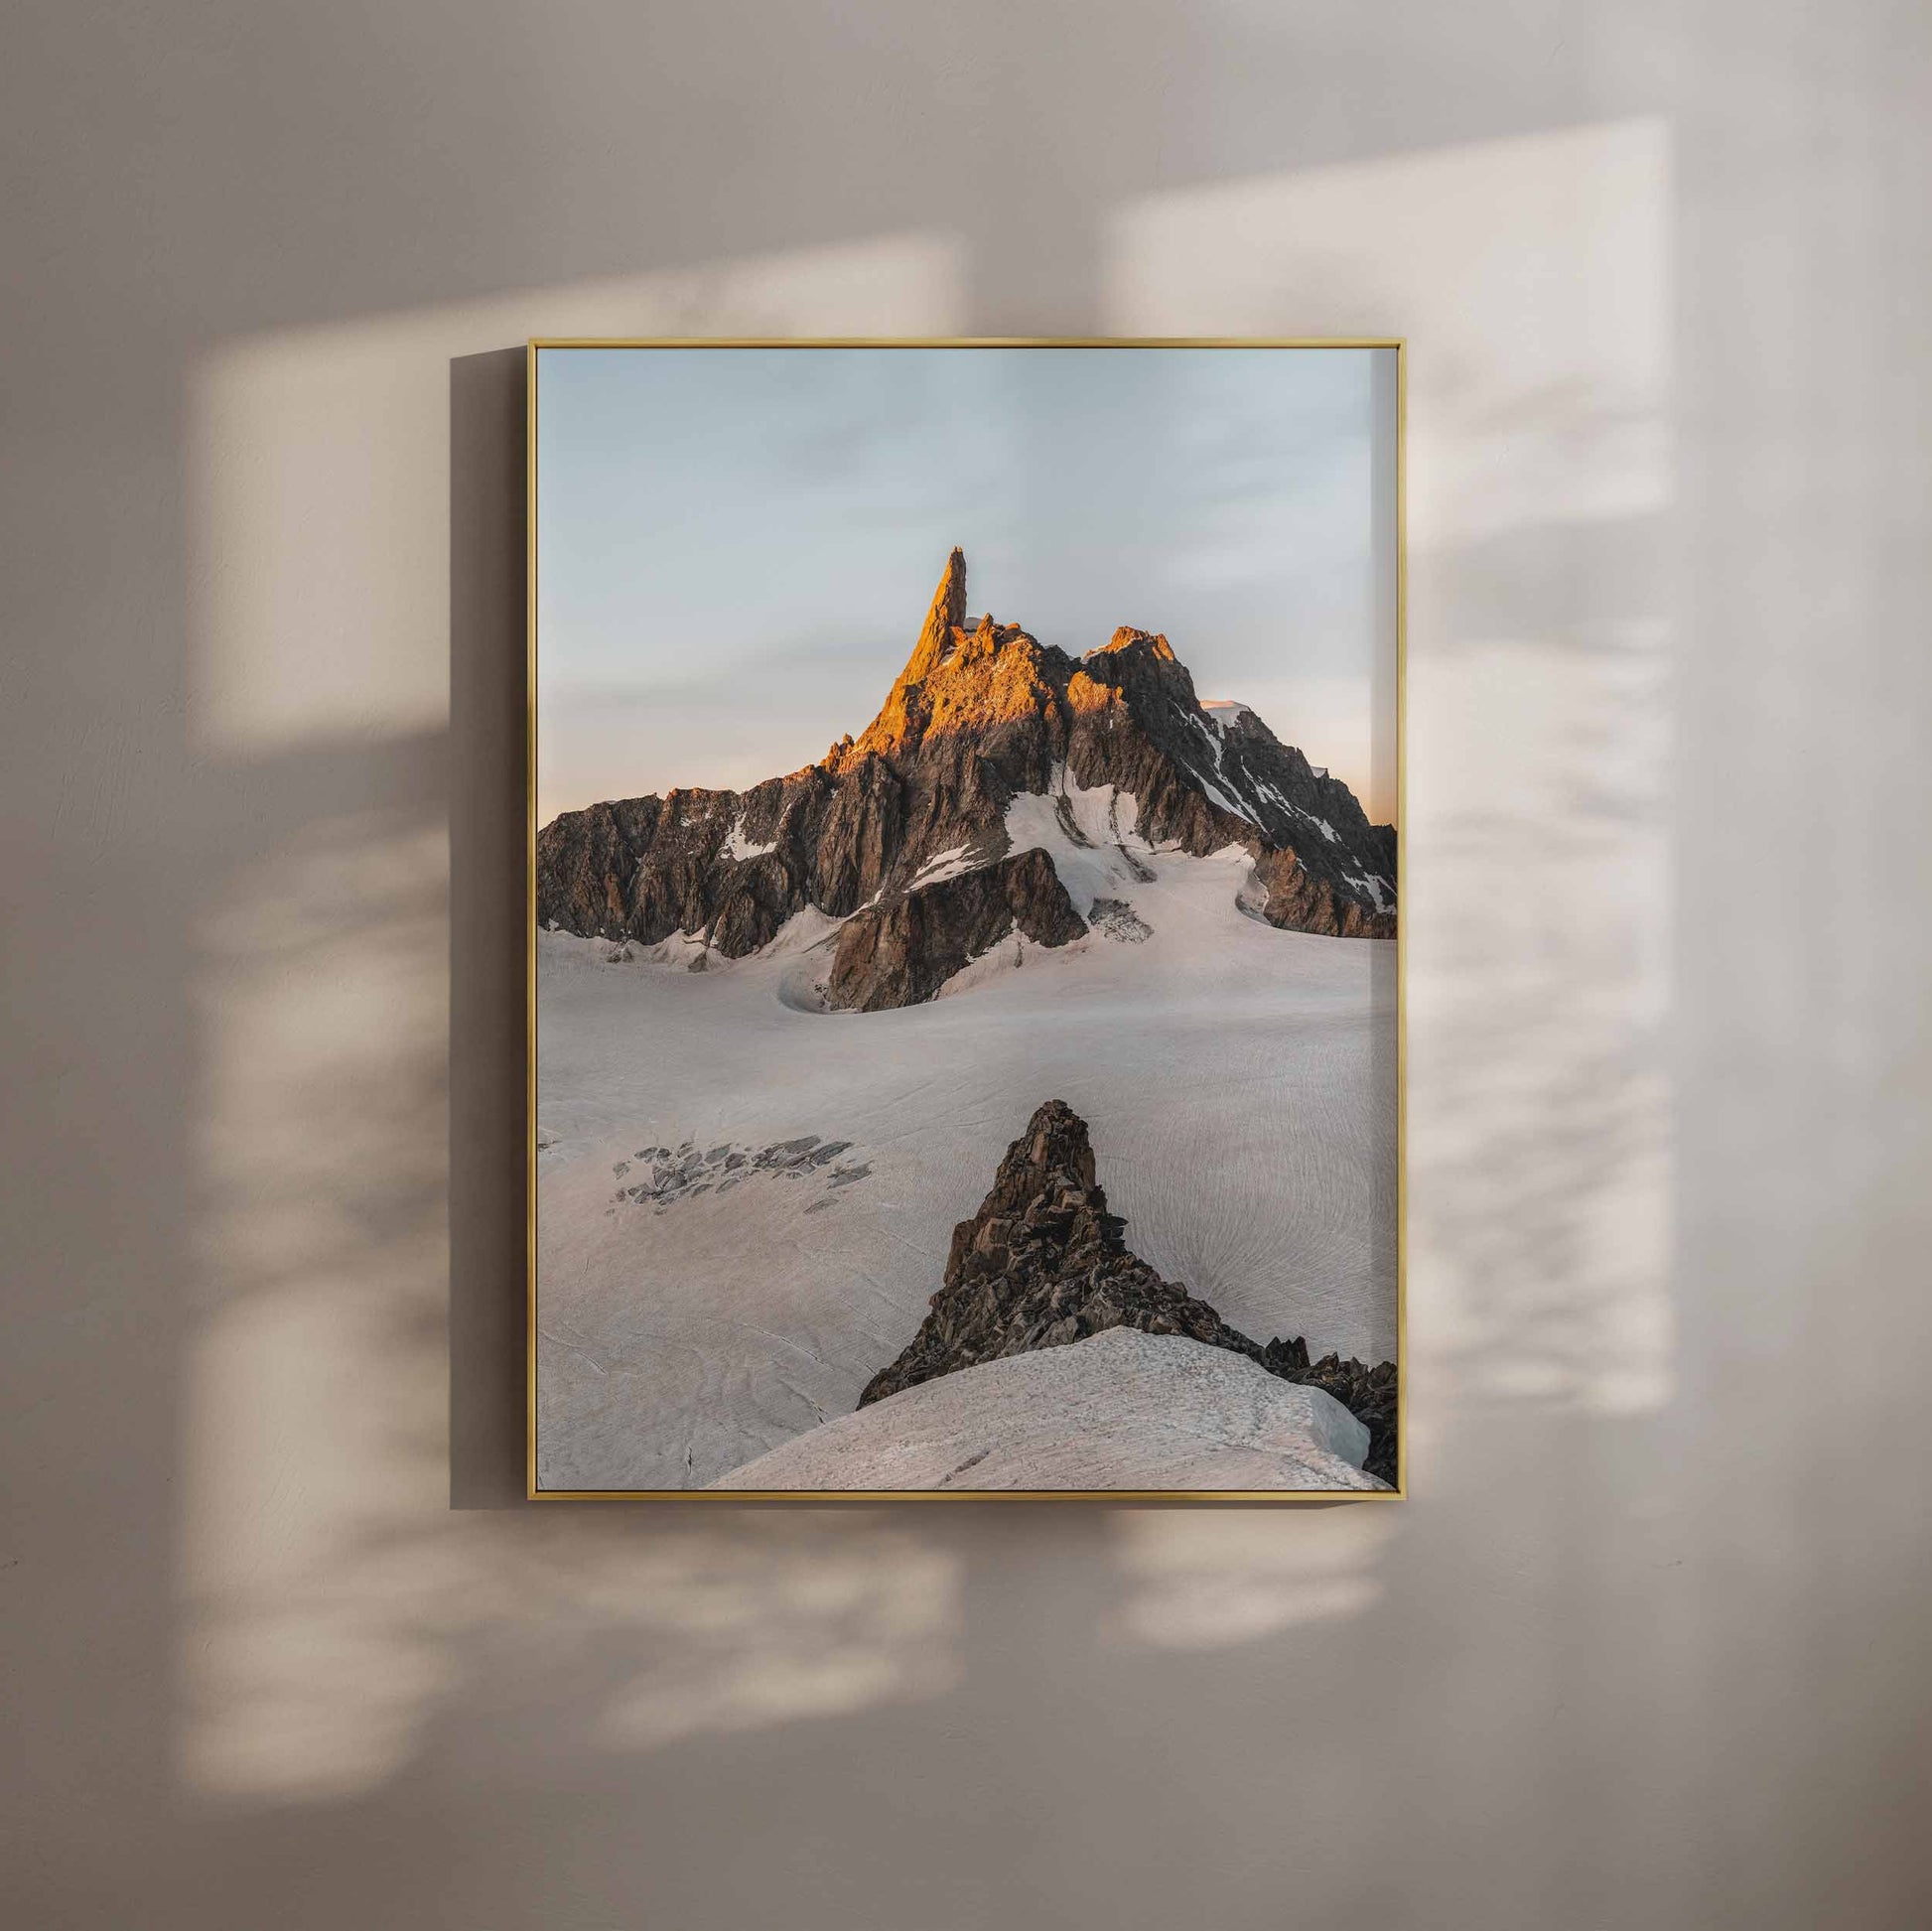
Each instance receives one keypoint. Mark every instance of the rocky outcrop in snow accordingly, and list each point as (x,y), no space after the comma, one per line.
(981,714)
(903,951)
(1122,1410)
(1369,1394)
(1042,1264)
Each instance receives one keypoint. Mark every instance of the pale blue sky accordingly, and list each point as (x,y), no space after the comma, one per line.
(736,547)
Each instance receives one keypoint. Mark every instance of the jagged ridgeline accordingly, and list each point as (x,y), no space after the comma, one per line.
(982,714)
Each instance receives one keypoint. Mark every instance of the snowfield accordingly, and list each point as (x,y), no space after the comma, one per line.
(713,1283)
(1119,1410)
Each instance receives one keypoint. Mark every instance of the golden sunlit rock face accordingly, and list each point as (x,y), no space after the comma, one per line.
(1127,636)
(982,714)
(946,616)
(960,678)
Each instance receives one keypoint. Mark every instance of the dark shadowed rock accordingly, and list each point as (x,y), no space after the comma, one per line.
(982,713)
(1206,779)
(1298,900)
(1043,1263)
(1369,1394)
(902,952)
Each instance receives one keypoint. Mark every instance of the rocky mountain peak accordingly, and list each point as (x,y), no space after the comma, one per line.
(945,614)
(1045,1199)
(1043,1263)
(981,714)
(1128,638)
(962,680)
(901,719)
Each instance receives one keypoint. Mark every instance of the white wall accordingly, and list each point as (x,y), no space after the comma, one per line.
(1646,1649)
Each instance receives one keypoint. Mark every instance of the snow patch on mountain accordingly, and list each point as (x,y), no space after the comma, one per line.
(1123,887)
(800,934)
(738,847)
(1090,835)
(1217,796)
(943,865)
(1224,787)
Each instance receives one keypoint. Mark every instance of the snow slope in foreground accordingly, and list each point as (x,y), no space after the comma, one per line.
(1121,1410)
(732,1289)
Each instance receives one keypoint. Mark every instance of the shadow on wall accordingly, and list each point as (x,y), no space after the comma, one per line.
(345,1632)
(1532,278)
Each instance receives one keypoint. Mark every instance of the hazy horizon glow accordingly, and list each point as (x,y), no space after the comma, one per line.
(736,547)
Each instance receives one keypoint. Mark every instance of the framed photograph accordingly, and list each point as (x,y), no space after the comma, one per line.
(965,790)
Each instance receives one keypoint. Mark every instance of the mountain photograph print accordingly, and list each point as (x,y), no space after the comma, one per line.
(964,908)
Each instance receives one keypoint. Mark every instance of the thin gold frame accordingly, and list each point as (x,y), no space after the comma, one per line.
(824,1497)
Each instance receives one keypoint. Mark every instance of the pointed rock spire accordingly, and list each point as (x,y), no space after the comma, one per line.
(948,609)
(1043,1263)
(901,718)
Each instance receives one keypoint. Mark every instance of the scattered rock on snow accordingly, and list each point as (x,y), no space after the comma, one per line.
(684,1173)
(1119,920)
